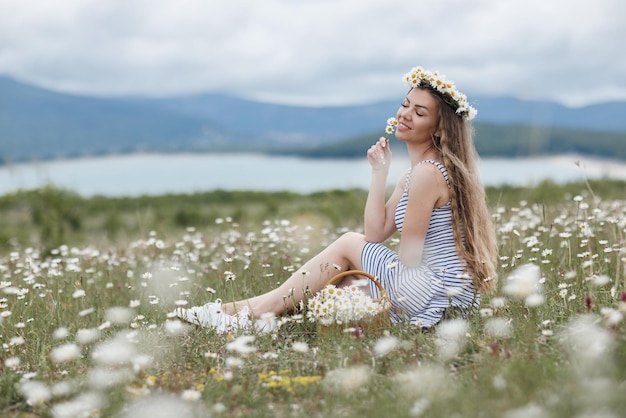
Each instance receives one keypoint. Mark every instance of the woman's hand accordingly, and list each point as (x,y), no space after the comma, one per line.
(379,154)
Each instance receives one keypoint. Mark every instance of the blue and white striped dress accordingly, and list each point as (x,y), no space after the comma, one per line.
(421,294)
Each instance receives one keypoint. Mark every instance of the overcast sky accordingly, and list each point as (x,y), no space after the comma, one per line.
(317,52)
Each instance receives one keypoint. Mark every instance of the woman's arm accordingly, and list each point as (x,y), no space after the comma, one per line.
(379,216)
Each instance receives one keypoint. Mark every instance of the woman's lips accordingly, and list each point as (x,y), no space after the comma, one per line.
(402,126)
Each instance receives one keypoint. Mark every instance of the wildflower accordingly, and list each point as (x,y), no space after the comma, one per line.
(498,327)
(86,336)
(385,345)
(219,408)
(12,362)
(84,405)
(486,312)
(104,325)
(588,302)
(141,362)
(60,333)
(228,374)
(335,305)
(117,351)
(419,407)
(427,381)
(587,342)
(119,315)
(300,347)
(601,280)
(107,377)
(16,341)
(523,282)
(528,411)
(499,382)
(191,395)
(78,294)
(498,303)
(64,353)
(175,327)
(534,300)
(348,380)
(450,337)
(36,393)
(392,123)
(241,344)
(612,316)
(86,312)
(12,290)
(234,362)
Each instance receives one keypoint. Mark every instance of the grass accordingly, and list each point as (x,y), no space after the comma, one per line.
(85,330)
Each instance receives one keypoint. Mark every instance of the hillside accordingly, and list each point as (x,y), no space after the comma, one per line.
(38,124)
(498,141)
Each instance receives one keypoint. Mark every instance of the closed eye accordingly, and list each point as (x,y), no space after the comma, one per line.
(406,104)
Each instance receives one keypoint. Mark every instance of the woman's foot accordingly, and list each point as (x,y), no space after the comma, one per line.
(211,315)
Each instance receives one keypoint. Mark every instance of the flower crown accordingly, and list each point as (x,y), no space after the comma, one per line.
(445,88)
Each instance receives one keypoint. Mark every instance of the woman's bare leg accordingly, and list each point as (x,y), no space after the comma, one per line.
(343,254)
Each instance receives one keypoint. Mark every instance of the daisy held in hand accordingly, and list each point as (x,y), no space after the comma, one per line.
(392,124)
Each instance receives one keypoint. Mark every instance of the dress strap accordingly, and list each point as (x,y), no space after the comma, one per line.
(441,167)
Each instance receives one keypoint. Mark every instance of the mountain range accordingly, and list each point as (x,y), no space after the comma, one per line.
(39,124)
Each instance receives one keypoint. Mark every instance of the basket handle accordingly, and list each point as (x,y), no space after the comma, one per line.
(338,277)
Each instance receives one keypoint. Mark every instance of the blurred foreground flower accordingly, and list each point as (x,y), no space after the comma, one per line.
(84,405)
(242,345)
(385,345)
(524,283)
(588,343)
(65,352)
(119,315)
(424,381)
(451,337)
(36,393)
(348,380)
(162,406)
(498,327)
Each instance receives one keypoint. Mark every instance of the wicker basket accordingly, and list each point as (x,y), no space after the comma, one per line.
(372,325)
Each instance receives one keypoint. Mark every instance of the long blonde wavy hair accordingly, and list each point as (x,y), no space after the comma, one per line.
(474,233)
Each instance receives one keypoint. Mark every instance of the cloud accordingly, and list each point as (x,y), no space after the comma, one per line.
(317,51)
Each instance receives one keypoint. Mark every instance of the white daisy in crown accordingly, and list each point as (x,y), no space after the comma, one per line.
(419,77)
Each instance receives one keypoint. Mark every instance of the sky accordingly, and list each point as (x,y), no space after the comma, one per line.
(317,52)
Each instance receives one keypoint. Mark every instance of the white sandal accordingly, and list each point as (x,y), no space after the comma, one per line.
(211,315)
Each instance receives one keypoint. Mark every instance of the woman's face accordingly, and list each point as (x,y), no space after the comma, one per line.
(418,117)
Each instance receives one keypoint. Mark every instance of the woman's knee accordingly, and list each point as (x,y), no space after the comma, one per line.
(351,244)
(352,237)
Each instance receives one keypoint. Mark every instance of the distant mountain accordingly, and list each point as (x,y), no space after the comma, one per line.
(40,124)
(603,117)
(341,122)
(37,124)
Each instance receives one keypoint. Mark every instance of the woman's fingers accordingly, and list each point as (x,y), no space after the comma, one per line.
(379,150)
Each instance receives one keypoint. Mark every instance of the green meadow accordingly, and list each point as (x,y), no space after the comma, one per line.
(86,286)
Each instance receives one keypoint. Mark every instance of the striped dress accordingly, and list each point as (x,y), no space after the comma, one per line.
(421,294)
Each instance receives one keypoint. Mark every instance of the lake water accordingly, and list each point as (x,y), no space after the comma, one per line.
(155,174)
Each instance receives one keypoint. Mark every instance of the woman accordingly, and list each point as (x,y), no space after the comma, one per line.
(447,249)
